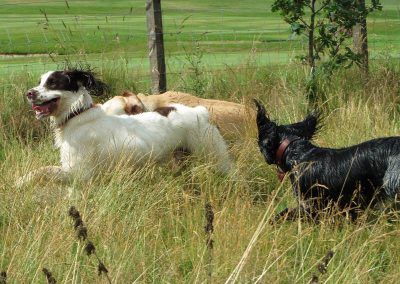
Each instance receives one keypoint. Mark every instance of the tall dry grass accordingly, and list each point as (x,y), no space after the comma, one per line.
(148,223)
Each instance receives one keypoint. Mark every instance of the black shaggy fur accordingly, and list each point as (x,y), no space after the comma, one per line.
(352,178)
(73,79)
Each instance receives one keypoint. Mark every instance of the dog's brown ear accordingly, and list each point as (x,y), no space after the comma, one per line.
(133,109)
(133,105)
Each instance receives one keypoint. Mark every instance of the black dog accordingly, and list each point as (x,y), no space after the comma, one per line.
(352,178)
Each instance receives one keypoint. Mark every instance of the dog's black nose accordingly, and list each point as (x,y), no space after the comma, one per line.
(31,94)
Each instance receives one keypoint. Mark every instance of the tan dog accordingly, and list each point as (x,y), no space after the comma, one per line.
(231,118)
(128,103)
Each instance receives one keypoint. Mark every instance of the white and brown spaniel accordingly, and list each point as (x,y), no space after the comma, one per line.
(90,139)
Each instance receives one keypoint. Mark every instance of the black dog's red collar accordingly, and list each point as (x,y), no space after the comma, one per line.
(279,157)
(75,113)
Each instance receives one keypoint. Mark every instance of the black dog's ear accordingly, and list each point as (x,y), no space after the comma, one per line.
(312,123)
(88,80)
(265,125)
(309,126)
(267,134)
(262,117)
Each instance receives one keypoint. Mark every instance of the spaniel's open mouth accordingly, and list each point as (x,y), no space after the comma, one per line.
(44,109)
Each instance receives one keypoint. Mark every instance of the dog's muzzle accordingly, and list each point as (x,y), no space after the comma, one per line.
(32,94)
(42,108)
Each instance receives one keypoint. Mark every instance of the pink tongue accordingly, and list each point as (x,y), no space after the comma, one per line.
(41,108)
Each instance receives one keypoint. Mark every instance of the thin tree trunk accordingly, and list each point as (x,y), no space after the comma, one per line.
(360,39)
(311,57)
(312,88)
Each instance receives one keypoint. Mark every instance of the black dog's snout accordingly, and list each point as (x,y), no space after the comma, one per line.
(31,94)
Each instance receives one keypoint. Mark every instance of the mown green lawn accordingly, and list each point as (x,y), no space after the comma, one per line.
(100,31)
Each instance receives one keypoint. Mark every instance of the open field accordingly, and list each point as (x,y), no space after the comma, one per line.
(104,31)
(148,224)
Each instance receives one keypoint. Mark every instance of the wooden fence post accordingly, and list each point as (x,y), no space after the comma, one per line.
(360,39)
(156,46)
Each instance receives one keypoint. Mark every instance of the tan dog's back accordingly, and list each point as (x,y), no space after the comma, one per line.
(231,118)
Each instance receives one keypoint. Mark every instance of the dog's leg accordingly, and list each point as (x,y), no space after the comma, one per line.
(280,215)
(178,160)
(180,155)
(201,137)
(210,141)
(44,173)
(292,214)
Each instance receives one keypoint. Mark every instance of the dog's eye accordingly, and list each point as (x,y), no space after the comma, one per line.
(51,83)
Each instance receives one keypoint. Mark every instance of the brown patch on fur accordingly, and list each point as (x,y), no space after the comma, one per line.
(164,111)
(133,105)
(132,109)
